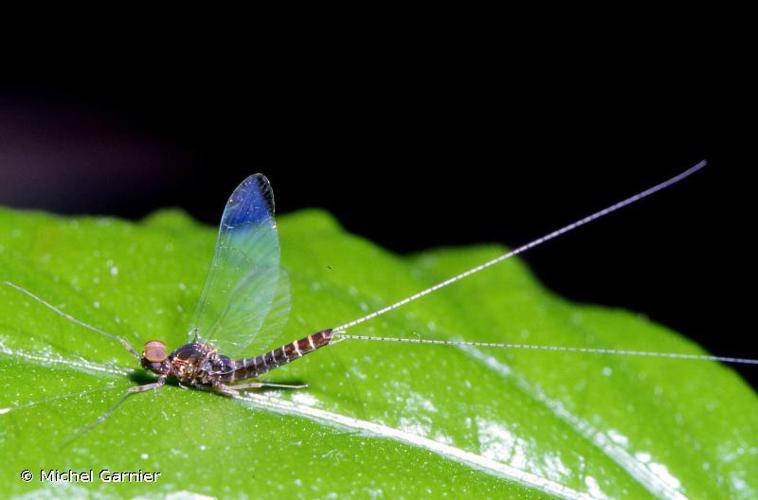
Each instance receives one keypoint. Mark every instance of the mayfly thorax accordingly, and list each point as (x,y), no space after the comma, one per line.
(246,301)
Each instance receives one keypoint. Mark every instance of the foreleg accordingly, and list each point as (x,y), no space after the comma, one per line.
(132,390)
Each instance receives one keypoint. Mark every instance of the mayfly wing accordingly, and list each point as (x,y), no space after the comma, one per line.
(245,301)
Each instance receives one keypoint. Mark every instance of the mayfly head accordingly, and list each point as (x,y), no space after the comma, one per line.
(155,358)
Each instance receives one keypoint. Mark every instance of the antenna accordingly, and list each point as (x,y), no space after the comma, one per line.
(79,322)
(565,229)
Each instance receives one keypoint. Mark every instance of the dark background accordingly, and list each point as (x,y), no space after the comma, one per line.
(416,155)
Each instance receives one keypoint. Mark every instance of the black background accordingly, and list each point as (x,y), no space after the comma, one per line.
(425,151)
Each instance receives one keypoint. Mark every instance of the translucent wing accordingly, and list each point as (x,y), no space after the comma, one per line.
(245,301)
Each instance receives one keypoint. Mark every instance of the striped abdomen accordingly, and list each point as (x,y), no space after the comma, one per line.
(254,367)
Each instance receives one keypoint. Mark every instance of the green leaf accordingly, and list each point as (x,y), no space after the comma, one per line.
(378,419)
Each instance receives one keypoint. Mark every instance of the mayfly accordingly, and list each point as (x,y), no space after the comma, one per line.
(245,303)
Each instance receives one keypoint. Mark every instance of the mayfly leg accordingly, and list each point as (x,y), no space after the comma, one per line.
(79,322)
(263,385)
(234,390)
(132,390)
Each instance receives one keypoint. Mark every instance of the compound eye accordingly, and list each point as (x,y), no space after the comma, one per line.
(155,351)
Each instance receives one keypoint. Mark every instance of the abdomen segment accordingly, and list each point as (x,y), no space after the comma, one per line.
(254,367)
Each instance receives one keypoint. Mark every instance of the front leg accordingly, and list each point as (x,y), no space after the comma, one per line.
(132,390)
